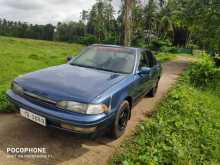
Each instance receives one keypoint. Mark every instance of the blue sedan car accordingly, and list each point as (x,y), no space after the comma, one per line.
(93,92)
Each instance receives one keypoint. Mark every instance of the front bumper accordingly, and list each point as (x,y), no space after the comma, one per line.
(64,120)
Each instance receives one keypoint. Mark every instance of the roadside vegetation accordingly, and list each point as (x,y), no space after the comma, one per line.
(186,24)
(164,57)
(186,127)
(19,56)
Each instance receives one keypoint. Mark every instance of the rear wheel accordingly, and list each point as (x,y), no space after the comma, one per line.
(121,120)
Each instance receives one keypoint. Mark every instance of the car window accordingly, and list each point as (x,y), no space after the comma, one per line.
(151,58)
(120,60)
(144,62)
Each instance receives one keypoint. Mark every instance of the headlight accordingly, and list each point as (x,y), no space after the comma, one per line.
(17,89)
(83,108)
(97,109)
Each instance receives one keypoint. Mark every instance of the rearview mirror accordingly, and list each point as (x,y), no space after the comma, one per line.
(144,70)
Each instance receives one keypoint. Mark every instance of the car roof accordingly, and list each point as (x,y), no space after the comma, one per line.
(116,46)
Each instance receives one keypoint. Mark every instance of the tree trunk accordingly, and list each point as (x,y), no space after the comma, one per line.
(128,4)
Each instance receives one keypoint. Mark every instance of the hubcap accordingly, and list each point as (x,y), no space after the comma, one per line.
(123,119)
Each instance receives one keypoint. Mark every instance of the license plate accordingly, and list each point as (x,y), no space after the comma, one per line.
(33,117)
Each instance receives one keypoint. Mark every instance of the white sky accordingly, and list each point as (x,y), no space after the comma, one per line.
(45,11)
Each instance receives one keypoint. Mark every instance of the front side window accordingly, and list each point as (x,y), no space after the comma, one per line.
(119,60)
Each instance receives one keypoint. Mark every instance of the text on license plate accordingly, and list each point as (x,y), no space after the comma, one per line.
(33,117)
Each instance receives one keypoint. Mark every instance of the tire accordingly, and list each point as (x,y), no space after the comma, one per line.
(153,91)
(120,123)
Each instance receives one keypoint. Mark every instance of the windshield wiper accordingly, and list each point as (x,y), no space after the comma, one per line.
(108,70)
(96,68)
(84,66)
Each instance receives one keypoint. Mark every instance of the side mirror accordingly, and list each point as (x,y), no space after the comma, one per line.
(69,58)
(144,71)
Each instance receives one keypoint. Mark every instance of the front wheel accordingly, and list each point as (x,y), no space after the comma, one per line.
(121,120)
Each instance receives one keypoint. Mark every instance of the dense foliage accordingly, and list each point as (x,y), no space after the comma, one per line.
(185,130)
(21,56)
(201,18)
(24,30)
(204,74)
(184,23)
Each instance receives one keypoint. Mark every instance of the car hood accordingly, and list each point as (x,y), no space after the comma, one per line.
(67,82)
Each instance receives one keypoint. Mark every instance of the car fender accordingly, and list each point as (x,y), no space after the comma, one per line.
(117,93)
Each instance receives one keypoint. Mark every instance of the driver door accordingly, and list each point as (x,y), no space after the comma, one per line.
(143,82)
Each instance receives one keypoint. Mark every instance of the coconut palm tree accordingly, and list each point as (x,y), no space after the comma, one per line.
(127,21)
(166,26)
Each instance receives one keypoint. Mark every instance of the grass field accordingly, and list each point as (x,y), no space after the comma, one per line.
(184,130)
(19,56)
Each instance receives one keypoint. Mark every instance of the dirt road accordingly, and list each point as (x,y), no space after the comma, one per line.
(67,149)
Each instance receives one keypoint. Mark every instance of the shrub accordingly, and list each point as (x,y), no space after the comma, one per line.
(88,39)
(163,57)
(110,40)
(203,74)
(217,61)
(156,45)
(167,49)
(192,46)
(4,104)
(2,98)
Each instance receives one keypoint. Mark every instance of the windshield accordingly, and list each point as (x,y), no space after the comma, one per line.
(119,60)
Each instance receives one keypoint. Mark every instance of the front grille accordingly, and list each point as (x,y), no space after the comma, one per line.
(39,99)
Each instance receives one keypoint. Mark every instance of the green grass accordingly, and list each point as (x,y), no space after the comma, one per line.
(185,130)
(19,56)
(164,57)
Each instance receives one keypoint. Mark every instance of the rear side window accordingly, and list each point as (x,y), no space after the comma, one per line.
(144,61)
(151,58)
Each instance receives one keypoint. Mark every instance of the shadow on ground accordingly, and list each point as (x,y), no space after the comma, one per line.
(61,145)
